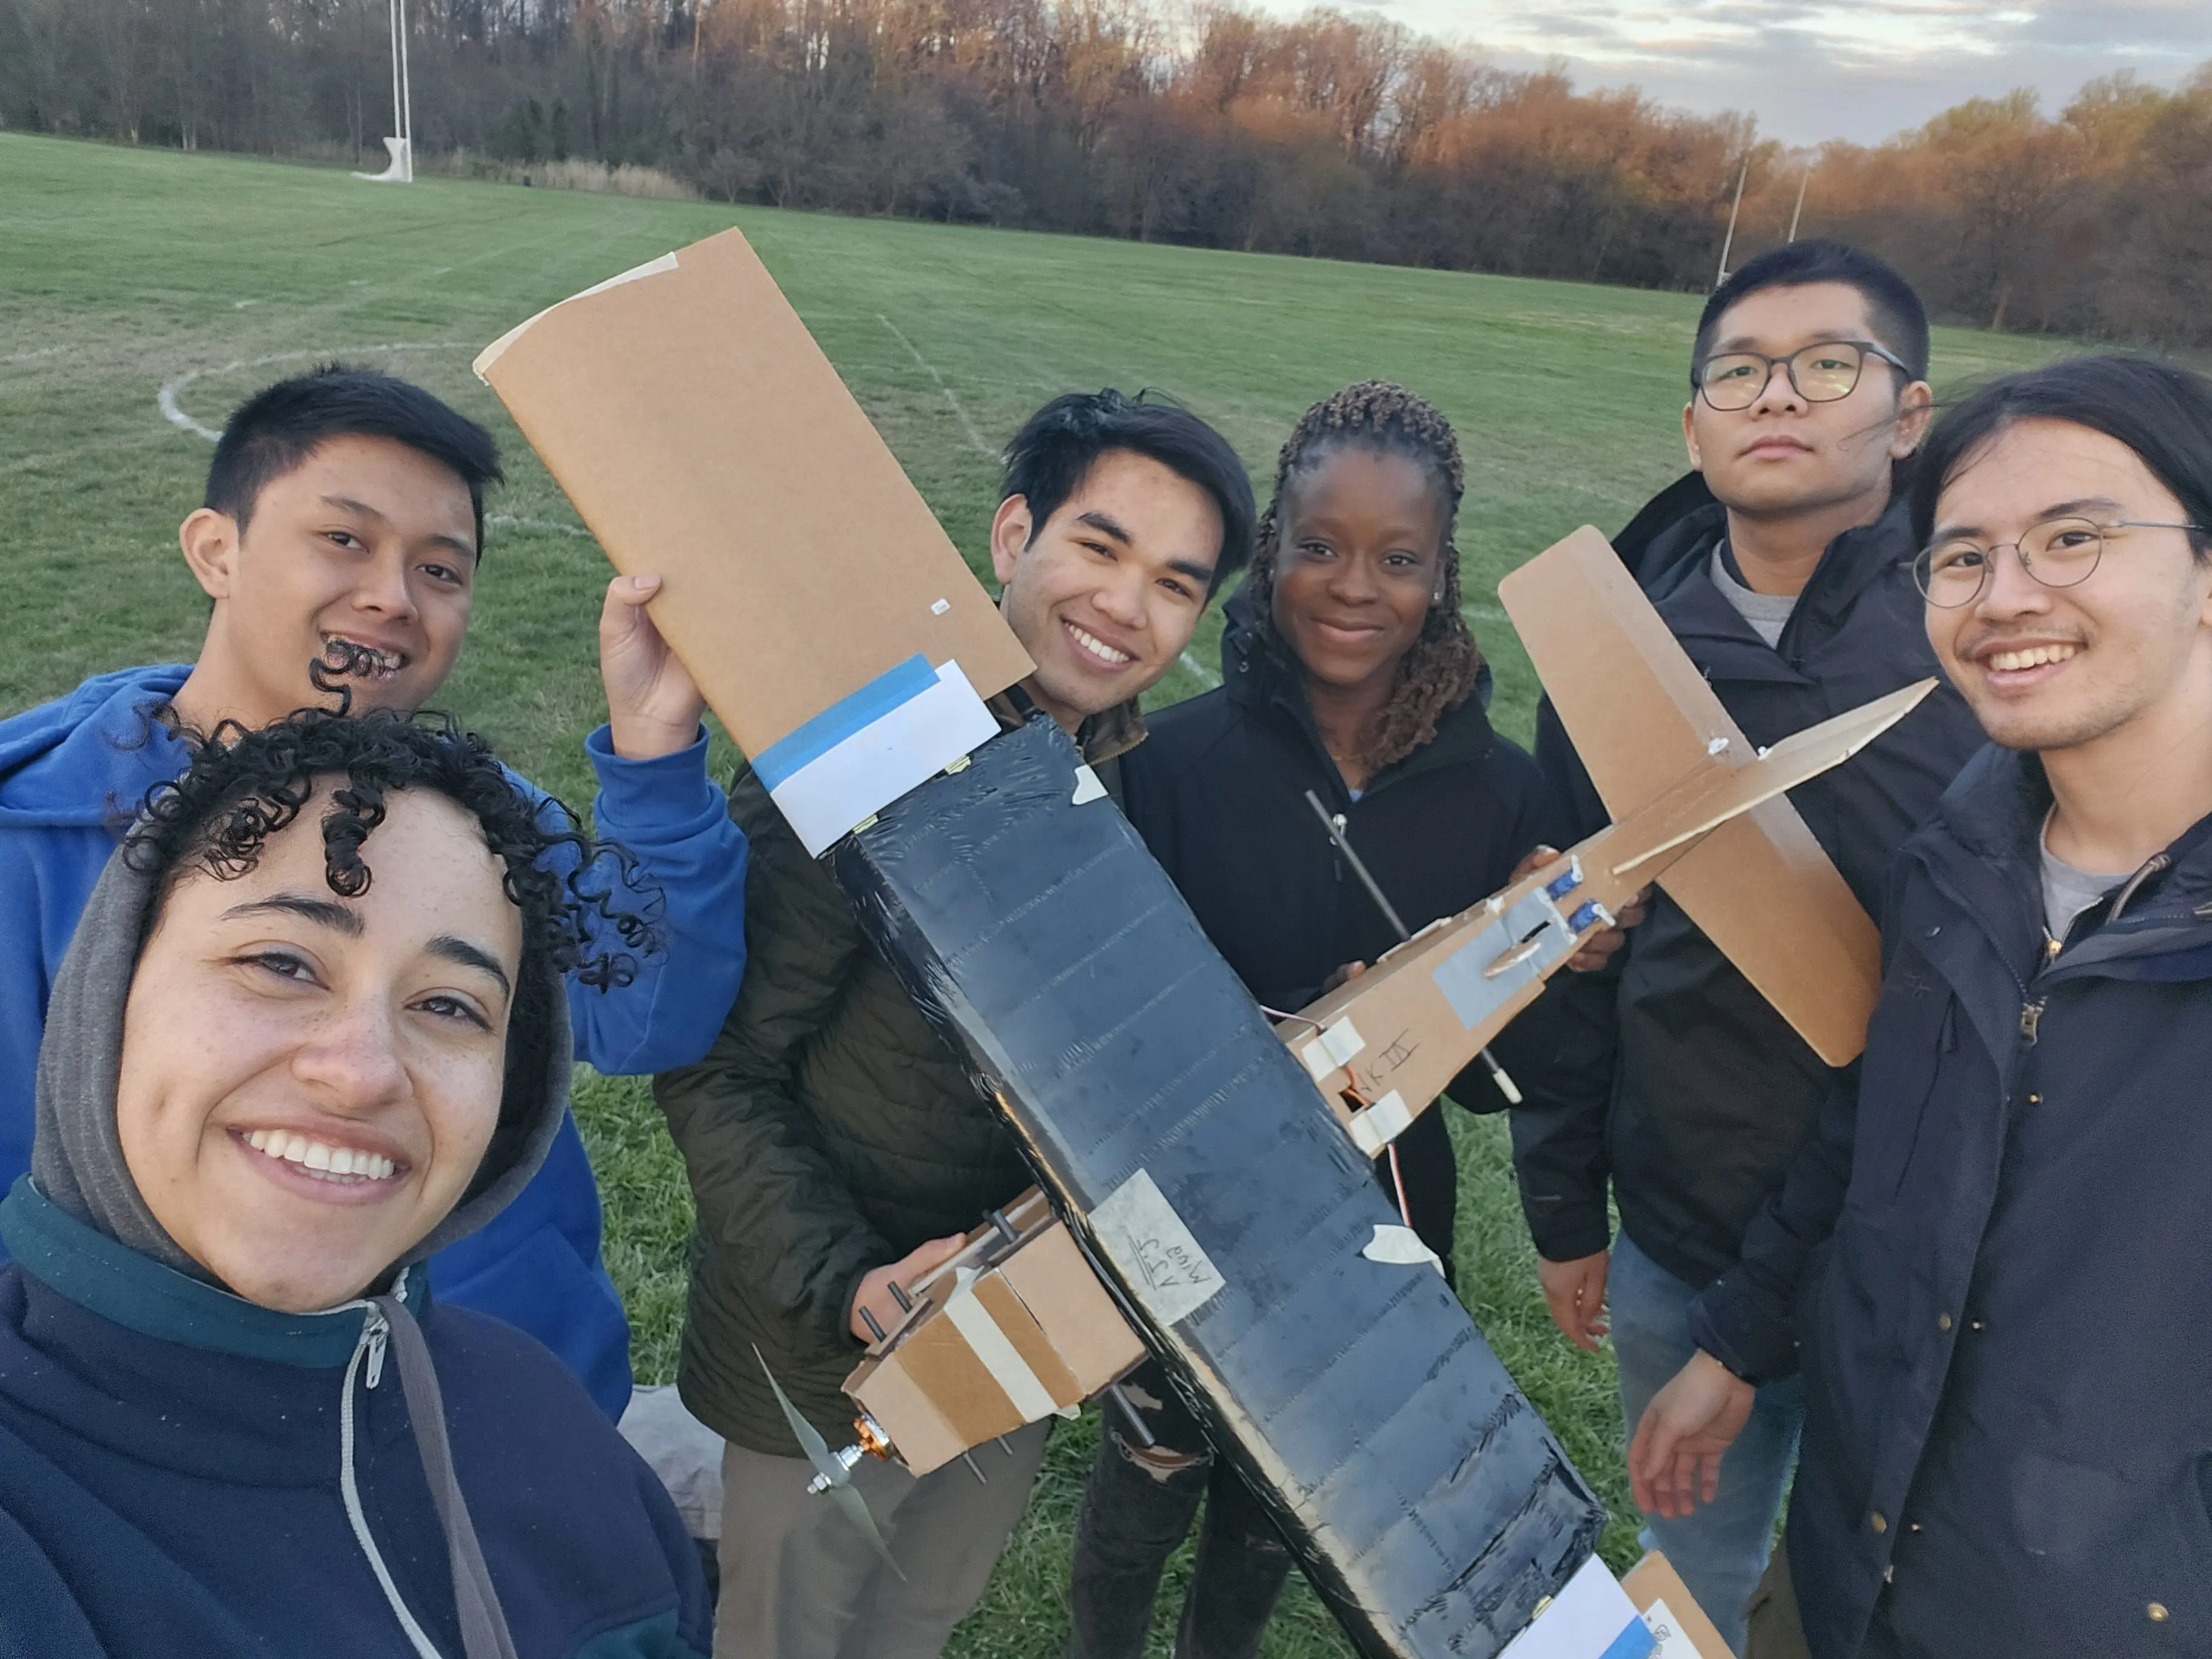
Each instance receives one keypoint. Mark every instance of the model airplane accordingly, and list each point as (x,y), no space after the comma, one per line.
(1199,1196)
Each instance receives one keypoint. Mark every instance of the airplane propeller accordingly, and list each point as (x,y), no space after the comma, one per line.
(832,1471)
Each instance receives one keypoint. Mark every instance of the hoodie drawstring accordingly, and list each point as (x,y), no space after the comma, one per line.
(484,1626)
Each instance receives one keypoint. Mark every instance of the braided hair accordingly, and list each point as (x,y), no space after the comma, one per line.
(1439,672)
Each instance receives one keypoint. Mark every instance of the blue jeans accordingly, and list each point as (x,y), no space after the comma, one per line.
(1722,1549)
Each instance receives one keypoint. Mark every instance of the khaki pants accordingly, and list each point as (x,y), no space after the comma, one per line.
(799,1581)
(1776,1630)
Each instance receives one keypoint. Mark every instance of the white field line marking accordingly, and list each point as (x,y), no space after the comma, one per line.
(1205,675)
(974,438)
(27,357)
(165,399)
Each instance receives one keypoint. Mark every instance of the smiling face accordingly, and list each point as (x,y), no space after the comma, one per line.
(1104,596)
(2046,668)
(368,542)
(1783,455)
(1359,562)
(308,1083)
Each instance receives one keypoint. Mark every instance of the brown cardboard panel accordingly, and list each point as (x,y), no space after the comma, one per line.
(1765,891)
(1027,1338)
(1711,796)
(1061,1291)
(1642,719)
(1641,715)
(954,1387)
(1654,1579)
(891,1394)
(703,436)
(1051,1337)
(1412,1043)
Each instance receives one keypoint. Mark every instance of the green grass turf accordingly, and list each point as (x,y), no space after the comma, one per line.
(124,271)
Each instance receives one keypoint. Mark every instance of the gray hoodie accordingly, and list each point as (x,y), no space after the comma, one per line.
(77,1161)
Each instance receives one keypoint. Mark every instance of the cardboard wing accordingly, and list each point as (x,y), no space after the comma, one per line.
(1641,718)
(704,437)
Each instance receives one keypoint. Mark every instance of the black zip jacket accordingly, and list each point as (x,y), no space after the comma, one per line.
(1217,792)
(2000,1233)
(1707,1093)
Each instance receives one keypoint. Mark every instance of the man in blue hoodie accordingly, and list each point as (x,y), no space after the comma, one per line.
(339,543)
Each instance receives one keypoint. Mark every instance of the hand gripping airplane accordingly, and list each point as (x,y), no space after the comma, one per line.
(1204,1190)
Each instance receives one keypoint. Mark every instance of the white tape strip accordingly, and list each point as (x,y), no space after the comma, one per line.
(1088,789)
(1332,1047)
(1590,1618)
(877,765)
(1000,1357)
(1380,1124)
(1400,1247)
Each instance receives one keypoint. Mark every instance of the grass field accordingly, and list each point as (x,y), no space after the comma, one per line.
(143,294)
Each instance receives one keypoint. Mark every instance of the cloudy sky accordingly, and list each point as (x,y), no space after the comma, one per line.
(1825,69)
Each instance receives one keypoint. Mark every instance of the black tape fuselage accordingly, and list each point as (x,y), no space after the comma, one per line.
(1427,1500)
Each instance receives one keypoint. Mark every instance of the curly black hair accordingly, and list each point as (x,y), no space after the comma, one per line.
(1441,670)
(243,786)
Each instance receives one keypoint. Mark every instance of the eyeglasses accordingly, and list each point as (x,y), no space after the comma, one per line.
(2058,553)
(1821,374)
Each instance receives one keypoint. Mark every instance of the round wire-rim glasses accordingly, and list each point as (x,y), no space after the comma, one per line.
(2061,552)
(1822,372)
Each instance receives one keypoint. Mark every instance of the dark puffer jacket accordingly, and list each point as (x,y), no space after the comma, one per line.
(2008,1444)
(1218,794)
(1712,1093)
(828,1131)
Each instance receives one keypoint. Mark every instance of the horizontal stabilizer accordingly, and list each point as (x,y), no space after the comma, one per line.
(1718,792)
(1646,725)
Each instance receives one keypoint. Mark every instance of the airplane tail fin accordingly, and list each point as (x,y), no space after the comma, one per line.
(1642,720)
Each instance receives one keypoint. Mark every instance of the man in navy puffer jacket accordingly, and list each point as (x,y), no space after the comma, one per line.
(1991,1263)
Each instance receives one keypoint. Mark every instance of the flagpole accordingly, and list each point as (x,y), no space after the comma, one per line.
(406,90)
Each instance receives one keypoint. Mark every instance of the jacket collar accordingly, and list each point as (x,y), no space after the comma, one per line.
(1260,677)
(1985,845)
(86,1267)
(1677,573)
(1104,736)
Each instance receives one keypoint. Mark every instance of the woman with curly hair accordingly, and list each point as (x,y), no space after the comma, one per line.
(1350,675)
(312,1029)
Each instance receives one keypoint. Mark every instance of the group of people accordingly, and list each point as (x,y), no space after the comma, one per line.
(305,1336)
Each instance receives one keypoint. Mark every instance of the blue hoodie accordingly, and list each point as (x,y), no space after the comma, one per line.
(72,772)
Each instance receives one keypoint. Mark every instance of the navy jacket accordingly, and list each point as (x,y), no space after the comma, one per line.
(1697,1094)
(71,773)
(1217,792)
(172,1464)
(2001,1234)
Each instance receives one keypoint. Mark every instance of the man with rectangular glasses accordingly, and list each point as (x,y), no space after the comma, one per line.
(1989,1260)
(1782,566)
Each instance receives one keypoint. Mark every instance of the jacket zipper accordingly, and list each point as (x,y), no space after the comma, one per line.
(368,1357)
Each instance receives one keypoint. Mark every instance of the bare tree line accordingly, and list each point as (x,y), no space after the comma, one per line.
(1330,136)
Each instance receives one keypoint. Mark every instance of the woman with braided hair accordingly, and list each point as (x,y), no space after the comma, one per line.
(1350,675)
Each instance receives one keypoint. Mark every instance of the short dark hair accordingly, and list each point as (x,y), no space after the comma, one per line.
(2160,411)
(1057,446)
(1900,319)
(280,426)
